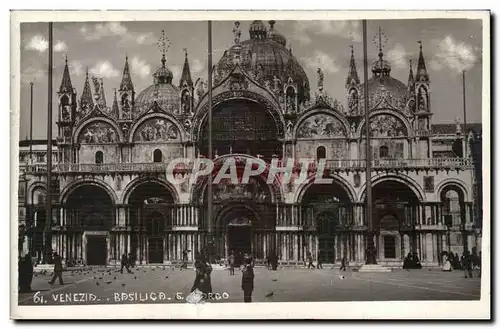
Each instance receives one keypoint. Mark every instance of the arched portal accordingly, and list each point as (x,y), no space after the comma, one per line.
(454,215)
(238,221)
(244,127)
(327,214)
(394,216)
(90,214)
(150,213)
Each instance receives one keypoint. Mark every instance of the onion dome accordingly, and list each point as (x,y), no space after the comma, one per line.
(258,30)
(161,91)
(273,34)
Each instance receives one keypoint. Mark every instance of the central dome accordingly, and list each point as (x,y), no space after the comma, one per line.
(266,51)
(161,91)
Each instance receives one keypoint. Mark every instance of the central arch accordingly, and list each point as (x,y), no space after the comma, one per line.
(244,127)
(151,206)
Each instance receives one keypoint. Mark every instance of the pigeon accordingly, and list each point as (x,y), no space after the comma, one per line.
(108,282)
(275,280)
(123,284)
(114,278)
(166,277)
(100,278)
(135,277)
(97,283)
(342,277)
(270,294)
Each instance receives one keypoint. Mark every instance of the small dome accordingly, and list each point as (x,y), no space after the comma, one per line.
(275,35)
(257,30)
(161,91)
(382,67)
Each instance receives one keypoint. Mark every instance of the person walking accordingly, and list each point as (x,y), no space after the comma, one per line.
(247,279)
(130,260)
(125,263)
(467,264)
(202,279)
(320,257)
(343,264)
(310,260)
(231,260)
(58,269)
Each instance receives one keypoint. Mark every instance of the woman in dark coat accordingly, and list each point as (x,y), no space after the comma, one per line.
(247,280)
(202,280)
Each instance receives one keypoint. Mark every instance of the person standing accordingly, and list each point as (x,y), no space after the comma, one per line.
(467,264)
(231,261)
(343,264)
(202,279)
(310,260)
(58,269)
(247,279)
(125,263)
(184,259)
(130,260)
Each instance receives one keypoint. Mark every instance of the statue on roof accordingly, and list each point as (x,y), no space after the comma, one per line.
(237,33)
(320,79)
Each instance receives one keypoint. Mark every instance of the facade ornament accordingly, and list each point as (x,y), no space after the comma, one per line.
(200,91)
(289,129)
(276,83)
(353,101)
(237,33)
(320,79)
(353,128)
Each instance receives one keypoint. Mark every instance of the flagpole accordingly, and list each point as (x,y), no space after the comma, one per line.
(370,257)
(48,218)
(31,123)
(209,183)
(465,114)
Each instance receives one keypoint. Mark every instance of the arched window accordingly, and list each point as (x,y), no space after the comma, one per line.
(383,152)
(320,152)
(99,157)
(157,156)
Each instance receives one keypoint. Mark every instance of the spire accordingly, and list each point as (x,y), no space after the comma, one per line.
(186,72)
(86,98)
(102,95)
(352,76)
(114,108)
(126,83)
(66,86)
(422,74)
(411,80)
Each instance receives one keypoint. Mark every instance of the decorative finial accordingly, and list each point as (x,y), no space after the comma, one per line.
(352,49)
(185,52)
(87,71)
(320,79)
(420,43)
(163,43)
(290,47)
(271,23)
(380,40)
(126,57)
(66,57)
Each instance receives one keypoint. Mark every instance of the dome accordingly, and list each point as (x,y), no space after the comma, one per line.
(382,85)
(267,52)
(161,91)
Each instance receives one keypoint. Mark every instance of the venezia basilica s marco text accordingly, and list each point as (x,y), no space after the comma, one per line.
(110,193)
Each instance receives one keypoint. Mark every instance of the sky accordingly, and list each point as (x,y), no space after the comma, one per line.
(449,45)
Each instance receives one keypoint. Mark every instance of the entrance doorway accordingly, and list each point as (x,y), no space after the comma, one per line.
(155,250)
(96,250)
(389,246)
(239,240)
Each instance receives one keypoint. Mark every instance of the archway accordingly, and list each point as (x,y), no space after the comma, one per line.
(327,213)
(243,127)
(238,219)
(453,209)
(150,213)
(394,216)
(90,214)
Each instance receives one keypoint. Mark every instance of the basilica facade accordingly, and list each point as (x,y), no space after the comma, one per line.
(111,195)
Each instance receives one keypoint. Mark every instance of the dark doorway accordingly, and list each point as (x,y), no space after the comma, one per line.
(325,226)
(239,240)
(389,246)
(96,250)
(155,250)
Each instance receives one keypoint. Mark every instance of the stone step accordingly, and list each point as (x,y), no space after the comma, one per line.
(374,268)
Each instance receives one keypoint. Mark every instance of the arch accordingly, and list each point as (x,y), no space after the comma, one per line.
(304,186)
(85,123)
(31,189)
(68,190)
(167,116)
(401,178)
(232,208)
(275,189)
(41,195)
(157,155)
(99,157)
(129,189)
(450,183)
(334,113)
(320,152)
(361,128)
(269,105)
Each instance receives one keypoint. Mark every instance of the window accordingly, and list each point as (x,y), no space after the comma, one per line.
(99,157)
(157,156)
(320,153)
(383,152)
(40,158)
